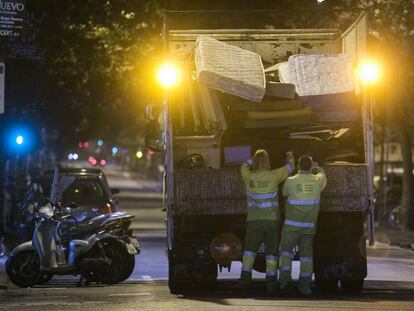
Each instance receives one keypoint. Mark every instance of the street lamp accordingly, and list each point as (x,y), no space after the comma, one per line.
(369,74)
(168,75)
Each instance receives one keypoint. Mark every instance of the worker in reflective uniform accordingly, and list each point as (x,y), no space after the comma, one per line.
(303,192)
(263,215)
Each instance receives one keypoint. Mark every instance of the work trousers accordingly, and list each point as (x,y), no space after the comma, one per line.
(258,232)
(289,240)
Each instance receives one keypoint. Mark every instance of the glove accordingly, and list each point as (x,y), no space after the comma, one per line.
(290,159)
(315,168)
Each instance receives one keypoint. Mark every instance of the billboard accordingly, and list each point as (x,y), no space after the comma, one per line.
(11,17)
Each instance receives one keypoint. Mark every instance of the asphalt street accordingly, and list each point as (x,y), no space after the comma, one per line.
(389,285)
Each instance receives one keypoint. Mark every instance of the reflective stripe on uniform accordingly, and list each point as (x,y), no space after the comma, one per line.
(305,259)
(305,275)
(287,254)
(262,196)
(299,224)
(246,269)
(271,257)
(271,273)
(249,254)
(262,204)
(303,202)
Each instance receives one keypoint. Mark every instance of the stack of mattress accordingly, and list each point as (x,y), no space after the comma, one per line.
(324,83)
(279,108)
(222,192)
(229,69)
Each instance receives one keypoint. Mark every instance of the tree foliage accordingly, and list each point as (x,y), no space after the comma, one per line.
(95,59)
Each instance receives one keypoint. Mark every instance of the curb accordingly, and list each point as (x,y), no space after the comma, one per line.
(4,280)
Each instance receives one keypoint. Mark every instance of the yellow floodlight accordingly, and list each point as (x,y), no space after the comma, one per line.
(369,72)
(168,75)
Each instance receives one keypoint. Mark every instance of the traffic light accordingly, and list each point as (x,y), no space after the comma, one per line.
(19,139)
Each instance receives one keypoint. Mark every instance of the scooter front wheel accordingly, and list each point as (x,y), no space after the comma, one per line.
(23,269)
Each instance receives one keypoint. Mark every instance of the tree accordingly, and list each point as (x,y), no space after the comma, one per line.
(97,56)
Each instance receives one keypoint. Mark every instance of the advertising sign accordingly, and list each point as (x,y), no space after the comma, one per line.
(2,74)
(11,17)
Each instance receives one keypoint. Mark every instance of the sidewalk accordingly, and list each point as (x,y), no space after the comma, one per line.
(4,281)
(404,239)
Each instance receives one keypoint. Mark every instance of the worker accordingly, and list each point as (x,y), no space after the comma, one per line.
(263,215)
(303,192)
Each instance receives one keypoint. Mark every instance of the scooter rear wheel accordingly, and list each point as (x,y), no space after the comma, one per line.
(23,269)
(121,267)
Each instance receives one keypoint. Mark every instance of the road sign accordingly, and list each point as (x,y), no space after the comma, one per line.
(11,17)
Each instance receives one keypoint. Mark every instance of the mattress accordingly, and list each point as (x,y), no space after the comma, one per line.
(284,76)
(326,101)
(319,74)
(212,113)
(268,104)
(230,69)
(274,115)
(281,90)
(271,119)
(337,115)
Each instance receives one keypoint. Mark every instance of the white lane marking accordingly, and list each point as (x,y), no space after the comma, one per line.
(147,277)
(45,297)
(49,288)
(49,303)
(131,294)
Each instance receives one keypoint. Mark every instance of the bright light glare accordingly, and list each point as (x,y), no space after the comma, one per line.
(75,156)
(19,139)
(369,73)
(139,154)
(70,156)
(115,150)
(100,142)
(168,75)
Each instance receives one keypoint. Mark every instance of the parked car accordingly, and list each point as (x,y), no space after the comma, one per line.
(90,191)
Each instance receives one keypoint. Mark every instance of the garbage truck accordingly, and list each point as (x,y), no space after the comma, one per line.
(300,96)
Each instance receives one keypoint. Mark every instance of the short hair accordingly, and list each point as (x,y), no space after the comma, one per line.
(261,160)
(305,162)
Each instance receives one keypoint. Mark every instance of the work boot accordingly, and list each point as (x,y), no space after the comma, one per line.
(287,290)
(245,287)
(272,286)
(303,292)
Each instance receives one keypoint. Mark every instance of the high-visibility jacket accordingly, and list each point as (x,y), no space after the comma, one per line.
(261,190)
(303,192)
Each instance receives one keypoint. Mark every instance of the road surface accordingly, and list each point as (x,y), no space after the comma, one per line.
(389,286)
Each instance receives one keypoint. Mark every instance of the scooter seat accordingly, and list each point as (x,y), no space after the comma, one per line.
(82,228)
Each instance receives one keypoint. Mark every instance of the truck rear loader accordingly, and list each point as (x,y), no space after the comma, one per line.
(204,145)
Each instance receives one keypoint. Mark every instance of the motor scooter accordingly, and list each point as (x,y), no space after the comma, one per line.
(101,249)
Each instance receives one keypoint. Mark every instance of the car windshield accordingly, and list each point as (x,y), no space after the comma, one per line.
(84,190)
